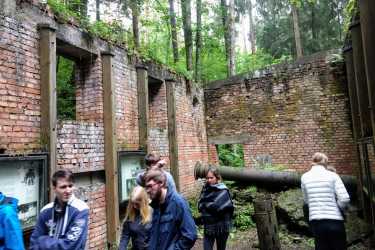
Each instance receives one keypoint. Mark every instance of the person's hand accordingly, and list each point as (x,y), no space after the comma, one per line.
(161,163)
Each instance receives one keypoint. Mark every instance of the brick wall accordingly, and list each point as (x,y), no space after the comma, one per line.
(191,136)
(80,143)
(19,87)
(288,112)
(126,102)
(80,146)
(158,120)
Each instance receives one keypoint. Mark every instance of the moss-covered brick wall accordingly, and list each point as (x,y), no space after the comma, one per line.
(285,113)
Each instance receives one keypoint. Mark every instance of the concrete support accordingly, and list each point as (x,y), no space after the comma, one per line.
(110,152)
(47,54)
(172,130)
(143,108)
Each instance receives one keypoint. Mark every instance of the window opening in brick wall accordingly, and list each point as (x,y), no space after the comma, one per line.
(66,89)
(231,155)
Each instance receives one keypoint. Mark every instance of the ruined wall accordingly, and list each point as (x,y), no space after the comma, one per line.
(158,119)
(80,142)
(191,136)
(284,114)
(19,86)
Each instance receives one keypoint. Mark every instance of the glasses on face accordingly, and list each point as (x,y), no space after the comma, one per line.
(150,186)
(66,186)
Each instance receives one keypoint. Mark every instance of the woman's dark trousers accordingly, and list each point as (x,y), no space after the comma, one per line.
(221,241)
(329,234)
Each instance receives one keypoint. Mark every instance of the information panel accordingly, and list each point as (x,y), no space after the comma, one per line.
(23,179)
(130,164)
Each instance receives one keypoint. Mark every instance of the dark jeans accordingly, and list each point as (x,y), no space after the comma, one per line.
(329,234)
(221,241)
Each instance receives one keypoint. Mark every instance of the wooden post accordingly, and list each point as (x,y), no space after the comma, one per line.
(265,219)
(143,108)
(367,10)
(364,113)
(356,124)
(110,152)
(48,121)
(172,130)
(367,18)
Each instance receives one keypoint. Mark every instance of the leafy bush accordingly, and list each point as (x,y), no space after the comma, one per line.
(231,155)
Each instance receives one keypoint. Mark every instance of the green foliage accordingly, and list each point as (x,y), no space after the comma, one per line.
(231,155)
(193,204)
(251,62)
(62,10)
(66,90)
(350,10)
(242,217)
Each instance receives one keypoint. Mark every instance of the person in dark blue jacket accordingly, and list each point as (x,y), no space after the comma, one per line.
(137,222)
(62,224)
(173,226)
(10,226)
(216,208)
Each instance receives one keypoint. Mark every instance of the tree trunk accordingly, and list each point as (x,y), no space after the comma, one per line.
(297,35)
(252,29)
(198,42)
(97,2)
(231,39)
(135,22)
(186,19)
(172,18)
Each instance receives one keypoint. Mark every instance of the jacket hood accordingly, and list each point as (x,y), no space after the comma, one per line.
(13,201)
(219,185)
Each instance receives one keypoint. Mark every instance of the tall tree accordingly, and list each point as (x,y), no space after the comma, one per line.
(97,10)
(251,27)
(198,41)
(172,19)
(297,34)
(228,24)
(135,21)
(188,34)
(231,39)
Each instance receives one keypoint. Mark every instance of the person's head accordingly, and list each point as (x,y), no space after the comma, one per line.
(319,159)
(63,184)
(151,159)
(138,203)
(155,182)
(213,176)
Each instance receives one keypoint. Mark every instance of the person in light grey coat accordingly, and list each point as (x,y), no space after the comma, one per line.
(326,198)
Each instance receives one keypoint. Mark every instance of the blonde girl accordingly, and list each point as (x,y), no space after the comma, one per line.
(137,222)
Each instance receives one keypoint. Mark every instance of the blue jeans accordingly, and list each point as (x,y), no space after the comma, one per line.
(221,241)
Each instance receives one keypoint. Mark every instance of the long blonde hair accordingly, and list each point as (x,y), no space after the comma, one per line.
(139,195)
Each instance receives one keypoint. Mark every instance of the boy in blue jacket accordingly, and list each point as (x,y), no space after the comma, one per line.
(62,224)
(173,227)
(10,226)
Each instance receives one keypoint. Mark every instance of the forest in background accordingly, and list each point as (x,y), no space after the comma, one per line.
(199,38)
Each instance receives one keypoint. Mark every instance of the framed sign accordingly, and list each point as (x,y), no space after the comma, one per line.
(25,178)
(130,163)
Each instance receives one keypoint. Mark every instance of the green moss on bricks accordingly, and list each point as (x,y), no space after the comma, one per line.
(327,128)
(292,106)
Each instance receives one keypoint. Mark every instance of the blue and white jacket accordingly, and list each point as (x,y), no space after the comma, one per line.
(10,227)
(61,228)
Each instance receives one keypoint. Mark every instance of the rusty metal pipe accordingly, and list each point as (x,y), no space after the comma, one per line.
(264,177)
